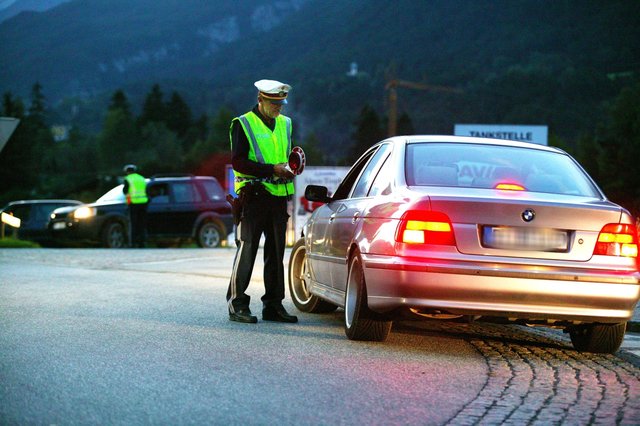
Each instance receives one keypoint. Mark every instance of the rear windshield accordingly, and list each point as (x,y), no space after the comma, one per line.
(488,166)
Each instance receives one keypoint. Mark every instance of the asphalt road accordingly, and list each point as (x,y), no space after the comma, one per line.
(142,337)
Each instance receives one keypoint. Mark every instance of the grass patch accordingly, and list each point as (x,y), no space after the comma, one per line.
(9,242)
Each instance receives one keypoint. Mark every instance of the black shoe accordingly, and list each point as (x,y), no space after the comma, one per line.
(243,315)
(278,314)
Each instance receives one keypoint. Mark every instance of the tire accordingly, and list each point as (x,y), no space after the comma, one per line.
(209,235)
(114,235)
(359,322)
(304,301)
(598,338)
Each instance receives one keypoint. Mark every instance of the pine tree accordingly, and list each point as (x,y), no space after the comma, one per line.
(178,115)
(154,110)
(119,135)
(119,101)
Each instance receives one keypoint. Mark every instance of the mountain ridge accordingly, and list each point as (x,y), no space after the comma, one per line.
(538,62)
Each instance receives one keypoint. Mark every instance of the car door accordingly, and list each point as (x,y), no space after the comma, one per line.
(346,215)
(187,204)
(319,260)
(159,220)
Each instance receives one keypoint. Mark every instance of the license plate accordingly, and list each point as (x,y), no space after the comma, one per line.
(534,239)
(59,225)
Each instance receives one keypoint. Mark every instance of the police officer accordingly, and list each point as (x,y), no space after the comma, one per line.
(135,190)
(260,144)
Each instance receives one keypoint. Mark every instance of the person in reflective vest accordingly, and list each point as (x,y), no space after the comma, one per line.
(260,145)
(135,191)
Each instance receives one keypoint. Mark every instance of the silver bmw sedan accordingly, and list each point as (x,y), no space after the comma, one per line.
(471,228)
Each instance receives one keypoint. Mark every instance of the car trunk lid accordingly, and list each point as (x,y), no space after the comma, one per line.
(530,225)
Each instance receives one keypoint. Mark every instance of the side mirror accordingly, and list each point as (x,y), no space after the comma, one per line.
(317,193)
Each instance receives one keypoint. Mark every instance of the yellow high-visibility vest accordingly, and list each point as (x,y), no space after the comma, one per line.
(137,191)
(266,147)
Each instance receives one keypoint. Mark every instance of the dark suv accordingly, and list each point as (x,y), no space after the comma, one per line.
(180,208)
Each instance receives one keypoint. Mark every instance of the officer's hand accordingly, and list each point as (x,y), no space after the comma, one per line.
(282,171)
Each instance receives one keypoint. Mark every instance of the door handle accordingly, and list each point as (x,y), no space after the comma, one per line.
(355,218)
(332,217)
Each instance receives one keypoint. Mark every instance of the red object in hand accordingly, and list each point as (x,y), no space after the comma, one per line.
(297,160)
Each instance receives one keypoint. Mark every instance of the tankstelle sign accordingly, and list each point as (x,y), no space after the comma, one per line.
(514,132)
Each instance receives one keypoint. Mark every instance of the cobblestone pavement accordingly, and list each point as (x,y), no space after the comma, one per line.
(535,377)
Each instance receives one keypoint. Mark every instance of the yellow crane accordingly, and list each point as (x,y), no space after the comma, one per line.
(391,86)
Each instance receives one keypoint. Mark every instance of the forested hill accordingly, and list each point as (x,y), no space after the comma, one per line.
(554,62)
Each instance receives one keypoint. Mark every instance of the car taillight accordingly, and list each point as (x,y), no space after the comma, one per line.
(425,227)
(617,239)
(509,186)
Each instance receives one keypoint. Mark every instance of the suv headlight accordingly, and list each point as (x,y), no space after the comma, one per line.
(84,212)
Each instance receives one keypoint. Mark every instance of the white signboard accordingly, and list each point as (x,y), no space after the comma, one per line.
(514,132)
(302,208)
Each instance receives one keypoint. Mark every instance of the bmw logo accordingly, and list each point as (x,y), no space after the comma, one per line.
(528,215)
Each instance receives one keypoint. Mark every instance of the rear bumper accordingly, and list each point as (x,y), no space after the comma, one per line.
(501,290)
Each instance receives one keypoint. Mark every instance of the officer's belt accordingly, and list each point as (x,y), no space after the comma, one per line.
(278,181)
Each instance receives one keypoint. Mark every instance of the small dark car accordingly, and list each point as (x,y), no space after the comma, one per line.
(180,208)
(34,216)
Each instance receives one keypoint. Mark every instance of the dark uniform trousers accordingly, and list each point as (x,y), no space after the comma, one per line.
(138,220)
(266,214)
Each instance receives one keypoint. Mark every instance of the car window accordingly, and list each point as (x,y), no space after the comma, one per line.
(158,193)
(382,183)
(367,175)
(347,183)
(41,212)
(21,212)
(213,190)
(487,166)
(186,192)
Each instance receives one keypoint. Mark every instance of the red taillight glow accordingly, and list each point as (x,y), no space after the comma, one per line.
(510,187)
(425,227)
(617,239)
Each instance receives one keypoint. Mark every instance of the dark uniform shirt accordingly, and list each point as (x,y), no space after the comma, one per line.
(240,149)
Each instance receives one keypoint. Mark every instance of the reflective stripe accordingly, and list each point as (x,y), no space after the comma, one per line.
(288,122)
(254,141)
(277,181)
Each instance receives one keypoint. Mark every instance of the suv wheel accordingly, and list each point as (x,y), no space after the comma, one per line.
(113,235)
(209,235)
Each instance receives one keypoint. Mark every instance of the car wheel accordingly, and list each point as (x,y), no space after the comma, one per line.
(114,235)
(598,338)
(298,283)
(209,235)
(359,322)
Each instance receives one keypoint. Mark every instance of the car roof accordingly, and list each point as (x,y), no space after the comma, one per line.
(468,140)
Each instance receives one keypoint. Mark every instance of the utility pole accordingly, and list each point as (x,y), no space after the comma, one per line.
(391,86)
